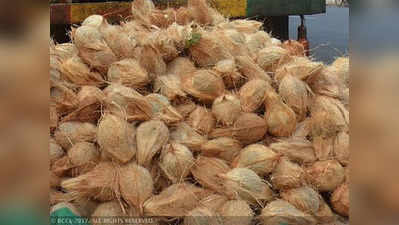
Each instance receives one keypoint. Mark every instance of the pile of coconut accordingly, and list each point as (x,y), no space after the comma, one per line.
(186,116)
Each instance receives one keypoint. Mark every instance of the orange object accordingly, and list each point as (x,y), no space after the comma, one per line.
(302,36)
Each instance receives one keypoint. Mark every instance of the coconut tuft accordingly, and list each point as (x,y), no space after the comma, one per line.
(326,175)
(228,71)
(300,67)
(236,212)
(258,158)
(226,109)
(213,202)
(202,120)
(169,86)
(298,150)
(201,216)
(163,18)
(252,94)
(340,200)
(70,133)
(116,137)
(163,110)
(224,148)
(151,137)
(77,72)
(129,73)
(83,156)
(341,148)
(176,161)
(184,16)
(287,175)
(187,136)
(257,41)
(294,48)
(249,69)
(206,171)
(270,58)
(304,198)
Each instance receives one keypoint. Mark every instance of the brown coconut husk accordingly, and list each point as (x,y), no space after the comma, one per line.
(303,129)
(325,214)
(56,197)
(187,136)
(242,26)
(287,175)
(64,98)
(178,35)
(258,158)
(296,94)
(182,67)
(276,42)
(295,48)
(206,170)
(70,133)
(175,201)
(93,21)
(184,16)
(327,83)
(298,150)
(83,156)
(228,71)
(252,94)
(54,180)
(245,184)
(116,137)
(233,41)
(345,98)
(151,60)
(127,103)
(141,11)
(107,210)
(300,67)
(186,107)
(62,166)
(163,18)
(249,69)
(341,148)
(340,200)
(136,184)
(224,148)
(169,86)
(282,212)
(176,161)
(326,175)
(213,202)
(162,41)
(304,198)
(280,118)
(257,41)
(202,120)
(129,73)
(270,58)
(200,11)
(55,151)
(342,65)
(151,137)
(226,109)
(77,72)
(163,110)
(236,212)
(201,216)
(205,85)
(64,51)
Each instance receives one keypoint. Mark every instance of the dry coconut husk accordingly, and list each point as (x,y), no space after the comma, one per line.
(54,180)
(341,148)
(249,69)
(77,72)
(107,210)
(287,175)
(182,67)
(55,151)
(276,42)
(162,40)
(206,171)
(93,49)
(342,65)
(296,94)
(294,48)
(257,41)
(70,133)
(298,150)
(127,103)
(272,57)
(245,184)
(186,107)
(93,21)
(136,184)
(169,86)
(175,201)
(242,26)
(325,214)
(233,41)
(129,73)
(117,138)
(163,18)
(201,216)
(304,198)
(163,110)
(228,71)
(226,109)
(280,118)
(64,51)
(248,129)
(236,212)
(205,85)
(83,156)
(64,98)
(141,11)
(224,148)
(62,166)
(151,60)
(258,158)
(303,129)
(327,83)
(56,197)
(176,161)
(300,67)
(326,175)
(252,94)
(213,202)
(340,200)
(183,16)
(282,212)
(202,120)
(151,137)
(187,136)
(200,11)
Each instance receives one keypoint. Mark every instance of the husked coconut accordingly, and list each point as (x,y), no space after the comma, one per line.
(213,202)
(163,18)
(341,148)
(236,212)
(287,175)
(151,60)
(176,161)
(70,133)
(186,107)
(257,41)
(93,21)
(141,11)
(206,171)
(55,151)
(201,216)
(242,25)
(325,214)
(182,67)
(326,175)
(327,83)
(163,110)
(304,198)
(64,99)
(183,16)
(61,167)
(53,116)
(252,94)
(298,150)
(227,69)
(77,72)
(110,209)
(232,41)
(340,200)
(226,109)
(202,120)
(200,11)
(249,69)
(129,73)
(187,136)
(224,148)
(294,48)
(342,65)
(205,85)
(300,67)
(169,86)
(83,156)
(270,58)
(303,129)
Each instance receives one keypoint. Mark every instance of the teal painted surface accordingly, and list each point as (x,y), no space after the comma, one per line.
(285,7)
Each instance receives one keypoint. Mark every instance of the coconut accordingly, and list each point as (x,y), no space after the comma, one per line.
(151,137)
(249,69)
(116,137)
(327,83)
(61,167)
(70,133)
(340,200)
(169,86)
(236,212)
(83,156)
(136,184)
(224,148)
(163,110)
(341,64)
(141,11)
(287,175)
(175,201)
(257,41)
(186,107)
(280,118)
(300,67)
(242,26)
(345,97)
(205,85)
(298,150)
(228,71)
(276,42)
(206,171)
(55,181)
(341,148)
(127,103)
(129,73)
(303,129)
(325,214)
(151,60)
(64,98)
(213,202)
(57,197)
(107,210)
(296,94)
(182,67)
(93,21)
(184,16)
(258,158)
(304,198)
(226,109)
(201,216)
(64,51)
(200,11)
(252,94)
(270,58)
(233,41)
(245,184)
(282,212)
(176,161)
(77,72)
(294,48)
(187,136)
(162,40)
(326,175)
(202,120)
(55,151)
(163,18)
(93,49)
